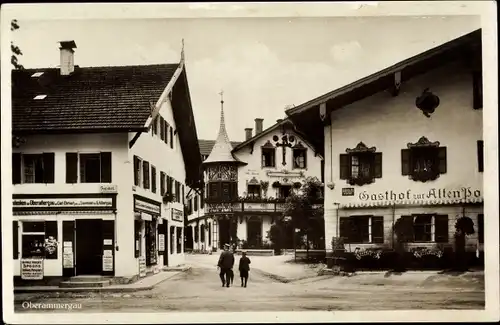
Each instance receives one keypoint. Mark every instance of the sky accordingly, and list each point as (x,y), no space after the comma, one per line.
(262,64)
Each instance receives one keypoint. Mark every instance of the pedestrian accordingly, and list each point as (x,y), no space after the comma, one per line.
(225,264)
(244,268)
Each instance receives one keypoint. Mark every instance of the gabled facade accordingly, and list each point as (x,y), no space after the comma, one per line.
(101,156)
(405,143)
(247,184)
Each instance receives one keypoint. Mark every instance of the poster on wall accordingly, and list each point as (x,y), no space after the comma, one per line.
(32,269)
(161,242)
(68,260)
(107,260)
(142,266)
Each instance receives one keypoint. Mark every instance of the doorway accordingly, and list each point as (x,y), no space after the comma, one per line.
(224,232)
(254,232)
(88,246)
(188,239)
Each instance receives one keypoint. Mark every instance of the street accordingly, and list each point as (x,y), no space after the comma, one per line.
(199,289)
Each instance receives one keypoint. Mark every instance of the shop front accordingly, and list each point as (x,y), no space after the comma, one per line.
(149,235)
(64,235)
(429,217)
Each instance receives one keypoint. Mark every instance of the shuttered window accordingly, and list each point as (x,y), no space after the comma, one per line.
(441,228)
(162,128)
(360,166)
(480,155)
(424,163)
(171,137)
(480,228)
(137,171)
(16,168)
(106,167)
(153,179)
(378,230)
(155,126)
(145,174)
(162,183)
(166,127)
(71,167)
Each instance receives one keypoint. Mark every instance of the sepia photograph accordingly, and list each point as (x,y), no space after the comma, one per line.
(235,160)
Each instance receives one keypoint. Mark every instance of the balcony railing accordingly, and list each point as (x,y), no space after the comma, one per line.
(252,204)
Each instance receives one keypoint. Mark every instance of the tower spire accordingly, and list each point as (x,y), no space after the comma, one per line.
(221,151)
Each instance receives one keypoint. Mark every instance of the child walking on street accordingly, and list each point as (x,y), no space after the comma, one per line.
(244,267)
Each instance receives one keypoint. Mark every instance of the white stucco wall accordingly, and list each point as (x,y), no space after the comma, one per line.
(254,164)
(153,149)
(389,123)
(117,144)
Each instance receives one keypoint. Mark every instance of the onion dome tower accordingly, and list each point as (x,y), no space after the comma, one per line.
(221,179)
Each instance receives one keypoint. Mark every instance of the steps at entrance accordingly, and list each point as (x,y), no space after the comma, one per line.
(86,282)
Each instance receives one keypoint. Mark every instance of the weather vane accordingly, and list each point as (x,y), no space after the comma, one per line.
(221,96)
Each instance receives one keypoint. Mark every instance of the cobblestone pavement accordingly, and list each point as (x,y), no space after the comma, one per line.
(199,289)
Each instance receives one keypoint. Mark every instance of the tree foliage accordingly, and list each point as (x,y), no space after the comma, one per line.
(304,209)
(16,51)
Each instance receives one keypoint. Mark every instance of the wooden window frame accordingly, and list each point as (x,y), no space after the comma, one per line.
(256,194)
(146,174)
(265,150)
(370,158)
(294,162)
(436,155)
(352,225)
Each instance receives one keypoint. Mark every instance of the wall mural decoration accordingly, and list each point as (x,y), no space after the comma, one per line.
(423,142)
(222,172)
(361,147)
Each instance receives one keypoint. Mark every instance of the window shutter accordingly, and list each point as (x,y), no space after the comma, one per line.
(442,160)
(172,137)
(345,229)
(162,129)
(480,155)
(16,168)
(166,131)
(377,165)
(136,170)
(477,89)
(48,167)
(71,167)
(183,194)
(153,179)
(480,228)
(145,173)
(162,183)
(322,171)
(51,231)
(405,162)
(378,230)
(345,166)
(155,126)
(105,167)
(15,238)
(441,228)
(406,224)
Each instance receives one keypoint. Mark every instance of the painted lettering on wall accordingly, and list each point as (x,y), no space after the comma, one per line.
(432,194)
(62,203)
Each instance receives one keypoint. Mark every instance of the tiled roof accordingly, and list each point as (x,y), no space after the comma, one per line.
(91,98)
(207,145)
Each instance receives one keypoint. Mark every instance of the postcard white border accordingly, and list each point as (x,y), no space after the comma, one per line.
(487,11)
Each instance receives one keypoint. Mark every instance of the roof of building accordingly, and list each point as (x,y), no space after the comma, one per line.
(307,115)
(104,99)
(91,98)
(222,149)
(207,145)
(286,124)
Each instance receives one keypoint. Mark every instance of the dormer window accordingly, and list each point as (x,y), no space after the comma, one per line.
(299,156)
(268,155)
(361,165)
(424,160)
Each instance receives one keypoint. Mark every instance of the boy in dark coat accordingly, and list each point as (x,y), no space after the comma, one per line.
(244,267)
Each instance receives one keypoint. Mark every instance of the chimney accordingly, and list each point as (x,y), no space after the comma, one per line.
(248,133)
(258,125)
(67,64)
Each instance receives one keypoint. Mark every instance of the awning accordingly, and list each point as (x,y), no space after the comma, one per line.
(378,204)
